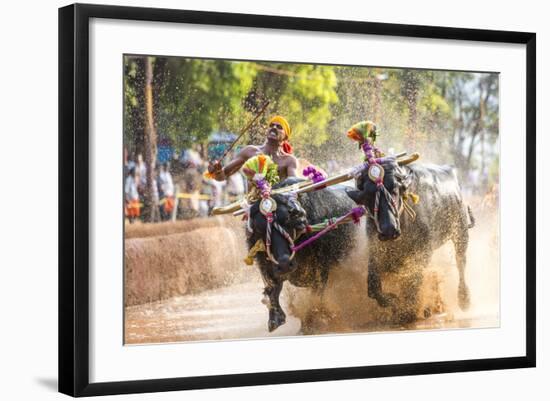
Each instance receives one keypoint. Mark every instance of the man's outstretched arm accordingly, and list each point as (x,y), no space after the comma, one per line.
(221,173)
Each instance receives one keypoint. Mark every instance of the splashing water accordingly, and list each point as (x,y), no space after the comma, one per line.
(234,311)
(346,307)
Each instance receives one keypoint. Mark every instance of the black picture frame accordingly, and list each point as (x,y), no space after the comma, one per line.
(74,193)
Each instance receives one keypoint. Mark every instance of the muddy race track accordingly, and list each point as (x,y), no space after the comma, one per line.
(186,281)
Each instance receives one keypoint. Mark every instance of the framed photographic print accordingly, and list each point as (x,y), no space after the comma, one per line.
(250,199)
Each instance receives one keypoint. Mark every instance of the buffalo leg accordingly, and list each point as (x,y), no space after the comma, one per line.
(277,316)
(273,284)
(410,288)
(375,288)
(461,246)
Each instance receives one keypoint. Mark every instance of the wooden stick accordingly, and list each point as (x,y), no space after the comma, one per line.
(235,206)
(246,128)
(302,187)
(337,179)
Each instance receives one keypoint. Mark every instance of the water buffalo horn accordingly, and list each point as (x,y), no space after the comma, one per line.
(413,157)
(232,207)
(398,155)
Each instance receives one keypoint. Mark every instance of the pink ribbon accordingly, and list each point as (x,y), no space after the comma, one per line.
(356,213)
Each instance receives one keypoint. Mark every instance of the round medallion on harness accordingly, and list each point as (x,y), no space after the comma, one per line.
(268,205)
(376,172)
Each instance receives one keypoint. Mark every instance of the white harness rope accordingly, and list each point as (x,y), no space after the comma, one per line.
(270,223)
(285,235)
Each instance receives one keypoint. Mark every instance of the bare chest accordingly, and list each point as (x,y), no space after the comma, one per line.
(281,161)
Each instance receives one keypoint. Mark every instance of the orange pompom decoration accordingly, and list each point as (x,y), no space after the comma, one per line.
(261,162)
(354,135)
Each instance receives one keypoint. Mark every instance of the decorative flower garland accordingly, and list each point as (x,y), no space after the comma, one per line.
(313,174)
(262,172)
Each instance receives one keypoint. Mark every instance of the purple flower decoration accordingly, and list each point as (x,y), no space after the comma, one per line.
(262,185)
(313,174)
(370,150)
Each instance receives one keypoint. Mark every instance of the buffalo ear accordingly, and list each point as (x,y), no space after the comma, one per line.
(356,196)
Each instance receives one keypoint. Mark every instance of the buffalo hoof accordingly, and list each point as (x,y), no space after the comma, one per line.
(385,300)
(427,312)
(406,317)
(317,320)
(276,318)
(463,296)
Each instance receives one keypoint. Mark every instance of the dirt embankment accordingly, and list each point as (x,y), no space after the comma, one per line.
(170,259)
(140,230)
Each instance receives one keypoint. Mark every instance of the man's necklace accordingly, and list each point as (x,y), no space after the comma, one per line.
(276,154)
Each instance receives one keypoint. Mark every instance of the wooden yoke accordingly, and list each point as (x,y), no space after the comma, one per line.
(308,186)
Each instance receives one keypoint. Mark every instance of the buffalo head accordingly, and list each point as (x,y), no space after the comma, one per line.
(288,215)
(393,181)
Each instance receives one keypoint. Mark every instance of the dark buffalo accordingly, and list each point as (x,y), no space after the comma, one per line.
(399,241)
(310,266)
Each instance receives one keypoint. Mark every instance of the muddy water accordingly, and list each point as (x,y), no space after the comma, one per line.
(235,311)
(231,312)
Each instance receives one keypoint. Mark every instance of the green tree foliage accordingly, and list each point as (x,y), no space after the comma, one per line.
(448,116)
(134,109)
(197,97)
(200,96)
(476,124)
(303,93)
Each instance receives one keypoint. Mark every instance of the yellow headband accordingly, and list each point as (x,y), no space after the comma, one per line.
(281,120)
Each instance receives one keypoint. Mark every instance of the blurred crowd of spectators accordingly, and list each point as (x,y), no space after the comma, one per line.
(179,189)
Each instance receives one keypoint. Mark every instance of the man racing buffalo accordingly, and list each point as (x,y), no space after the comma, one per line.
(275,146)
